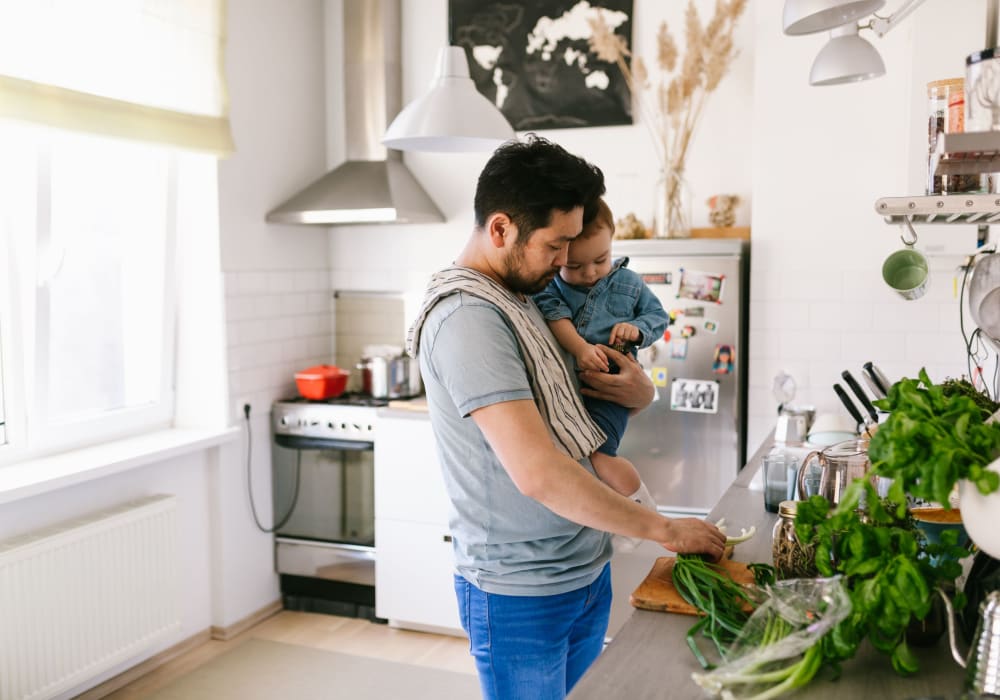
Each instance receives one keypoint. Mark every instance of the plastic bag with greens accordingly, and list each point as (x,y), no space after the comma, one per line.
(778,649)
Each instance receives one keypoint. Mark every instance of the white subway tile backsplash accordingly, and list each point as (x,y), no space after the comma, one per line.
(923,348)
(905,315)
(763,345)
(278,322)
(811,282)
(779,314)
(254,283)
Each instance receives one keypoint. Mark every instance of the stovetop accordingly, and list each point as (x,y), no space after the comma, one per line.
(351,398)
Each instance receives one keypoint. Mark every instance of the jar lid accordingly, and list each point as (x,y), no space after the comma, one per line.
(788,508)
(977,56)
(946,84)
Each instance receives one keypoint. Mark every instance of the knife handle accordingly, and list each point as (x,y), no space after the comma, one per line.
(848,404)
(859,392)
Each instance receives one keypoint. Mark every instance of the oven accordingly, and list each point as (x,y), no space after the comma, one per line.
(324,503)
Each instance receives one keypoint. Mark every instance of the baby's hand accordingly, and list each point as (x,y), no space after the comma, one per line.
(590,357)
(624,333)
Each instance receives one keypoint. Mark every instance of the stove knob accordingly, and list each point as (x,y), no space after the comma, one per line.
(284,420)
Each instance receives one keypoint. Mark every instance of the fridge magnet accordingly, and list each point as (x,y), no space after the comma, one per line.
(657,278)
(722,362)
(700,286)
(694,395)
(679,348)
(687,331)
(659,376)
(711,326)
(694,311)
(533,60)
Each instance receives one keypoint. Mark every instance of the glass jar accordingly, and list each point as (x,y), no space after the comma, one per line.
(982,102)
(946,115)
(791,558)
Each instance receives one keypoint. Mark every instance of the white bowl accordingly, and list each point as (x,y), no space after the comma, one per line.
(979,514)
(826,438)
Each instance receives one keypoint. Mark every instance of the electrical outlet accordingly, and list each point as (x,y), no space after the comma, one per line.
(239,404)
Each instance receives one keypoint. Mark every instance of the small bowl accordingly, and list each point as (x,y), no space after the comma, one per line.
(830,437)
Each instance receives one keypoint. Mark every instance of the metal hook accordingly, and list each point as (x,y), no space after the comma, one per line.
(909,226)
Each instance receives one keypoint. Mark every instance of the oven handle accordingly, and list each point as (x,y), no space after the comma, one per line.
(299,442)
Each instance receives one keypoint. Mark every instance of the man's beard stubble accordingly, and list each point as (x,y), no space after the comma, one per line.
(517,282)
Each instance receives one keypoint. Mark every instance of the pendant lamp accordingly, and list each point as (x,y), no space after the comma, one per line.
(810,16)
(450,117)
(846,58)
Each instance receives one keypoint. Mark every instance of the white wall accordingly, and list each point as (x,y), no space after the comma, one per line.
(822,156)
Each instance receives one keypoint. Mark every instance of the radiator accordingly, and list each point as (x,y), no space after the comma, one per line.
(82,596)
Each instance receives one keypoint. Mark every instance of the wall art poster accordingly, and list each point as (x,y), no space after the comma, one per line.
(533,61)
(694,395)
(702,286)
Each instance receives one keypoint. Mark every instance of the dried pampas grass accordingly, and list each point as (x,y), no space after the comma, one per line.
(679,96)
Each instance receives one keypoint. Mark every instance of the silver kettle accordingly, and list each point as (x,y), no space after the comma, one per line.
(982,664)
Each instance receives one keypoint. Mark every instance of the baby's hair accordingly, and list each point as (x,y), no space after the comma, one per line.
(601,217)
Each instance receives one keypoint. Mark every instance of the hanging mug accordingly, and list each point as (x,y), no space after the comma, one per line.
(906,270)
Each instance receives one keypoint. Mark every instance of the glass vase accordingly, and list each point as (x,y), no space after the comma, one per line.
(672,212)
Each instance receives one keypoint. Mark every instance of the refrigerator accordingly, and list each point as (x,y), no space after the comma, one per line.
(689,444)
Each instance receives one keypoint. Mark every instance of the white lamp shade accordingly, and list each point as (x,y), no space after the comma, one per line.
(810,16)
(452,116)
(846,59)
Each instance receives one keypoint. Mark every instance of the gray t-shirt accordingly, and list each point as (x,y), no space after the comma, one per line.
(504,542)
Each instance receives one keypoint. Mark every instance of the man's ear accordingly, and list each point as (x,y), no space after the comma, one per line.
(500,229)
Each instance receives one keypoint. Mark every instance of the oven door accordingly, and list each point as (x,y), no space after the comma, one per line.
(324,502)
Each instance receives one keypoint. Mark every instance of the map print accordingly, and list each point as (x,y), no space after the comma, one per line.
(532,60)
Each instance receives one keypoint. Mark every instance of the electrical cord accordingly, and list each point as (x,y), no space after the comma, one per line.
(253,507)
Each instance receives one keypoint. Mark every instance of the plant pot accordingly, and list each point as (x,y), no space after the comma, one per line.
(979,514)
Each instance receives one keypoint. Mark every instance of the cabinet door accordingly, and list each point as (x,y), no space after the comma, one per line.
(408,481)
(414,576)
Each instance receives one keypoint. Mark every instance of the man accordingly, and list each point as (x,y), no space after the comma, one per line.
(529,519)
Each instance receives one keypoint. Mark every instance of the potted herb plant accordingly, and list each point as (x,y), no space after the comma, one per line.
(935,437)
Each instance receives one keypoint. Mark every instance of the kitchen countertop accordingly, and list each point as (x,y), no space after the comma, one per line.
(649,658)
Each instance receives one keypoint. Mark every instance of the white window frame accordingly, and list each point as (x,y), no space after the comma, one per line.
(30,432)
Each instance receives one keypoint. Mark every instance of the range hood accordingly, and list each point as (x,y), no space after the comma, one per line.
(372,185)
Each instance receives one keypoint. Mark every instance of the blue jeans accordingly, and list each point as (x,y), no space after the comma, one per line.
(534,647)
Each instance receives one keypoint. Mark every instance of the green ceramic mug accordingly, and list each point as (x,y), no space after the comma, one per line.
(906,272)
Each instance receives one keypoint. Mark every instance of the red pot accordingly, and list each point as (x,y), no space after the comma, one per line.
(321,382)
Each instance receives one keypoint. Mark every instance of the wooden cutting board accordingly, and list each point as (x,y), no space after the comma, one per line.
(657,592)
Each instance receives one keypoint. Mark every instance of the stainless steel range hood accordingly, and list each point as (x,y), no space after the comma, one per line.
(372,185)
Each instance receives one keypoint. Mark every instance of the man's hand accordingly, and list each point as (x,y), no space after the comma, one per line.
(622,333)
(694,536)
(590,357)
(630,388)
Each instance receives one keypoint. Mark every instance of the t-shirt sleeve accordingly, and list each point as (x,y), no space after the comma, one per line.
(476,357)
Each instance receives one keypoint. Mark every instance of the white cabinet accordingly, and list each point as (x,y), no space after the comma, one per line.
(414,566)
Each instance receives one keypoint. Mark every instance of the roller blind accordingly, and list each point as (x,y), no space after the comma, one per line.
(150,70)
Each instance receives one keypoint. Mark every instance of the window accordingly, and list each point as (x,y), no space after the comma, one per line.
(96,102)
(90,235)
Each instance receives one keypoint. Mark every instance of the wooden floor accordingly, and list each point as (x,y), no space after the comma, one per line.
(343,634)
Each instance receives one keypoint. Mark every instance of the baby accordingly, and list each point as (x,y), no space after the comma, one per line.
(595,300)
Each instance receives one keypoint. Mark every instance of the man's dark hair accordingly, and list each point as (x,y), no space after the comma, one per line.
(527,179)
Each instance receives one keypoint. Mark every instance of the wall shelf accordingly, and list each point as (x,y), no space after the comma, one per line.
(981,209)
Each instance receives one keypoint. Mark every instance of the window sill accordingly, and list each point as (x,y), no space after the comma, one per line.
(38,476)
